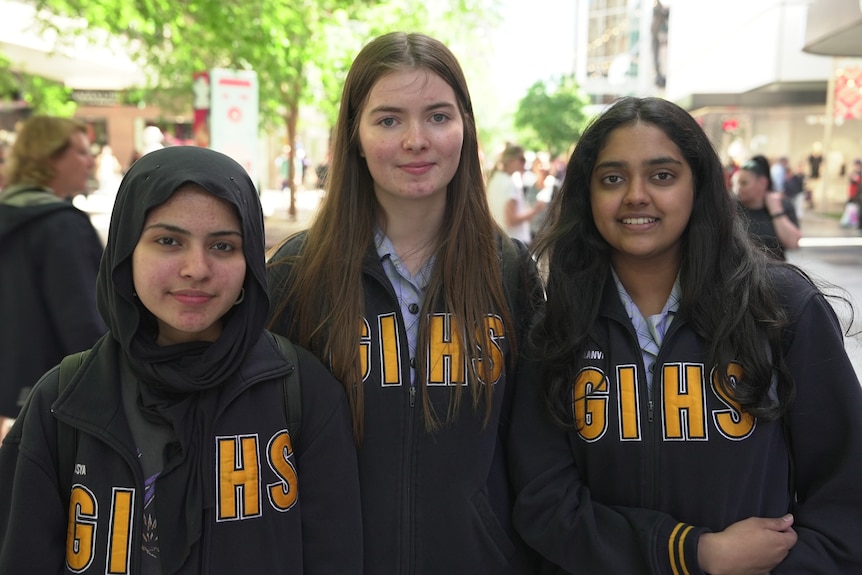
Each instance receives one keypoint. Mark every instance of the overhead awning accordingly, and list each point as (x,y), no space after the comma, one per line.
(834,28)
(77,62)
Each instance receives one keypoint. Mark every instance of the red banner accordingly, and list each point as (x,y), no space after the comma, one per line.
(201,106)
(848,93)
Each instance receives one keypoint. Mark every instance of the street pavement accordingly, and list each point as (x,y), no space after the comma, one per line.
(832,254)
(827,251)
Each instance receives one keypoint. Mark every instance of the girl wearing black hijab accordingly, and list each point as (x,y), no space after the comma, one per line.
(183,462)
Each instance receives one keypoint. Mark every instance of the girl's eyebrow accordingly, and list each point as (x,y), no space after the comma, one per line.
(660,161)
(185,232)
(397,109)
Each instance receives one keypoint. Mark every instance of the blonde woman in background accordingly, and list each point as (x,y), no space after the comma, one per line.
(50,257)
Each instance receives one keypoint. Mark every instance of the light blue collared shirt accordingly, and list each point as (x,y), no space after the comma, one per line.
(410,290)
(651,330)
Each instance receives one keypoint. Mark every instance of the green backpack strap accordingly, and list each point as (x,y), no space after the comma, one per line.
(292,390)
(67,437)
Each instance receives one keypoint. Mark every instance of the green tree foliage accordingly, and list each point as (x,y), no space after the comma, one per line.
(551,116)
(460,24)
(300,49)
(174,40)
(42,95)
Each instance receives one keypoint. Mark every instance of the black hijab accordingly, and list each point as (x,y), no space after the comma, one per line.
(178,385)
(150,182)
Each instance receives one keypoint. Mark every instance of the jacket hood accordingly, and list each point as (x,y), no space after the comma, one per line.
(23,203)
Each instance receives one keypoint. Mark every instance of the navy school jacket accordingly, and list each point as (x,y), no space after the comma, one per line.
(646,474)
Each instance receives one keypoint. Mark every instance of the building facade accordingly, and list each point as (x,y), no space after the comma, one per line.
(761,76)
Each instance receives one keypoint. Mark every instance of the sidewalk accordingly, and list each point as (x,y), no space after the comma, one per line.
(819,229)
(277,222)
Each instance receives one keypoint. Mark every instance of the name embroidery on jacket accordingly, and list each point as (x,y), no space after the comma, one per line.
(446,364)
(682,404)
(240,495)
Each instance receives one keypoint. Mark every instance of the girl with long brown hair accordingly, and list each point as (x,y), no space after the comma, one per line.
(399,285)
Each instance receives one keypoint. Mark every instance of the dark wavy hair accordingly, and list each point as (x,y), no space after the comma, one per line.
(727,291)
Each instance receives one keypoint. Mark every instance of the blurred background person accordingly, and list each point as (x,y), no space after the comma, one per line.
(778,172)
(50,257)
(795,188)
(2,166)
(154,139)
(506,194)
(540,191)
(855,180)
(770,216)
(108,170)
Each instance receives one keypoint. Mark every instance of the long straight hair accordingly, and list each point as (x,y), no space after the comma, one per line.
(727,291)
(325,292)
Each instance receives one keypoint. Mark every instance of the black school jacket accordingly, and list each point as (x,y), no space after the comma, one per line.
(274,509)
(433,503)
(631,491)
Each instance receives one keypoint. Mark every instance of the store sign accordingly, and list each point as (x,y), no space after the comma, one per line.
(848,93)
(96,97)
(233,117)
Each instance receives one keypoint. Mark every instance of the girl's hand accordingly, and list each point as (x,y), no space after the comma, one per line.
(753,546)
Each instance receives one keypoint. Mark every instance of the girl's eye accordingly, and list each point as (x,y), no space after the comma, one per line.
(166,241)
(664,176)
(387,122)
(612,179)
(223,247)
(439,118)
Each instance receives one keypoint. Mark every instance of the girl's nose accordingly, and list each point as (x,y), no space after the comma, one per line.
(196,264)
(415,138)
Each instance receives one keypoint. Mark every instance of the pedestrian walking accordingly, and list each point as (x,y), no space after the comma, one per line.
(50,257)
(771,217)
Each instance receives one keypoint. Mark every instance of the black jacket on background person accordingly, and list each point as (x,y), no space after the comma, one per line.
(49,254)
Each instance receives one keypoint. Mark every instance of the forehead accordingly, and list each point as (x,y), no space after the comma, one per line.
(749,175)
(637,143)
(416,86)
(79,139)
(190,200)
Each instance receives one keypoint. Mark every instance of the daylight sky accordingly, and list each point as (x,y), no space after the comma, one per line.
(535,41)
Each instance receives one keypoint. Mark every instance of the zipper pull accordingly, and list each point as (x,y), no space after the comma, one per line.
(412,395)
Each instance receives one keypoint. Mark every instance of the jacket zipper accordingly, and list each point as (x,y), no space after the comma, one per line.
(407,549)
(409,511)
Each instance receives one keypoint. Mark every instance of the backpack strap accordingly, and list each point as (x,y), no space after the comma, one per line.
(67,437)
(292,390)
(509,267)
